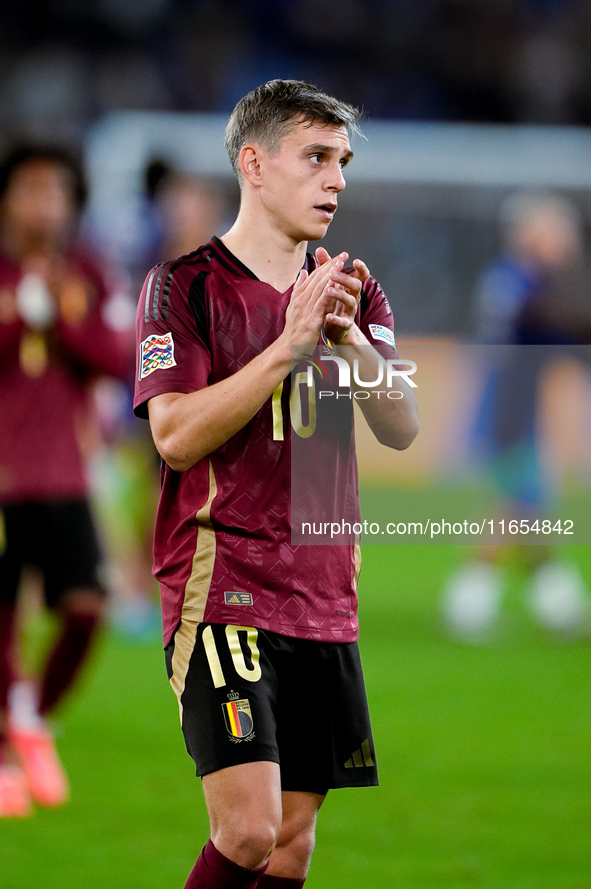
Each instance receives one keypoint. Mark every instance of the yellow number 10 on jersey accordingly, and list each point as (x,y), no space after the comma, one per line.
(299,382)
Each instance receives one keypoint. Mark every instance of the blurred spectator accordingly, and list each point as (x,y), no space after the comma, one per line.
(184,207)
(534,295)
(63,323)
(180,212)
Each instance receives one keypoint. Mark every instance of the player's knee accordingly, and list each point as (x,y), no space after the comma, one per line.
(248,843)
(299,842)
(85,603)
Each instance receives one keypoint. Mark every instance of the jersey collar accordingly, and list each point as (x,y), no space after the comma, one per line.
(233,264)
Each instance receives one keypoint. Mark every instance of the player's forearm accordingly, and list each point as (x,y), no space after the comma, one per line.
(393,421)
(188,427)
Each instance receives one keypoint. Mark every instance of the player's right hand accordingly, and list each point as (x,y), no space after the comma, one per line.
(313,297)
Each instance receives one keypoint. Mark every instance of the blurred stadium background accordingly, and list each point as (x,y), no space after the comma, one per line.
(485,762)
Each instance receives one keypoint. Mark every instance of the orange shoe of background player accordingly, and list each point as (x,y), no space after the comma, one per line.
(47,781)
(15,798)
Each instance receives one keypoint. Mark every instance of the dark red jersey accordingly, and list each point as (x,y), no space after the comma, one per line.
(222,547)
(44,379)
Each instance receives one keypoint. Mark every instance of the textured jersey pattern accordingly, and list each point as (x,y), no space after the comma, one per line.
(223,526)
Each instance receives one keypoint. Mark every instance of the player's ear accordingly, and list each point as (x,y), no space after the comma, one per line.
(250,163)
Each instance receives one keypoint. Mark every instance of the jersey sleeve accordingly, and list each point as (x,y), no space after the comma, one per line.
(375,319)
(171,352)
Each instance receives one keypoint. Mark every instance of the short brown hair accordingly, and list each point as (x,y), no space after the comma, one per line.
(268,112)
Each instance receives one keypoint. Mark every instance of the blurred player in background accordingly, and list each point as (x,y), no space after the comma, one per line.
(534,294)
(260,636)
(187,209)
(62,324)
(180,210)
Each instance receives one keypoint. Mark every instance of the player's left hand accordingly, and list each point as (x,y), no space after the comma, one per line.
(341,317)
(361,270)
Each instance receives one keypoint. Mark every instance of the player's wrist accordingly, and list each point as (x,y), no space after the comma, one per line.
(289,347)
(351,336)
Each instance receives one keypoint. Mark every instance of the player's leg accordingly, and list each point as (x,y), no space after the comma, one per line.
(7,648)
(244,807)
(70,563)
(472,594)
(81,612)
(15,800)
(7,622)
(68,555)
(558,594)
(252,824)
(325,741)
(229,681)
(290,859)
(226,686)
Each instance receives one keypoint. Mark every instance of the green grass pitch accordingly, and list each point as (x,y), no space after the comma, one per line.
(484,755)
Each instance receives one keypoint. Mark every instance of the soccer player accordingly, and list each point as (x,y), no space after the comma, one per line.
(60,327)
(533,294)
(260,636)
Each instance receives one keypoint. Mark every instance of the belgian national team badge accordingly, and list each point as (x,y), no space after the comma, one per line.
(156,353)
(238,718)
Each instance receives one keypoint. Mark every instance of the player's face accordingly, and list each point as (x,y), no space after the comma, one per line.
(38,200)
(303,177)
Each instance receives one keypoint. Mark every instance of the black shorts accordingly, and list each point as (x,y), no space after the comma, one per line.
(249,695)
(57,537)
